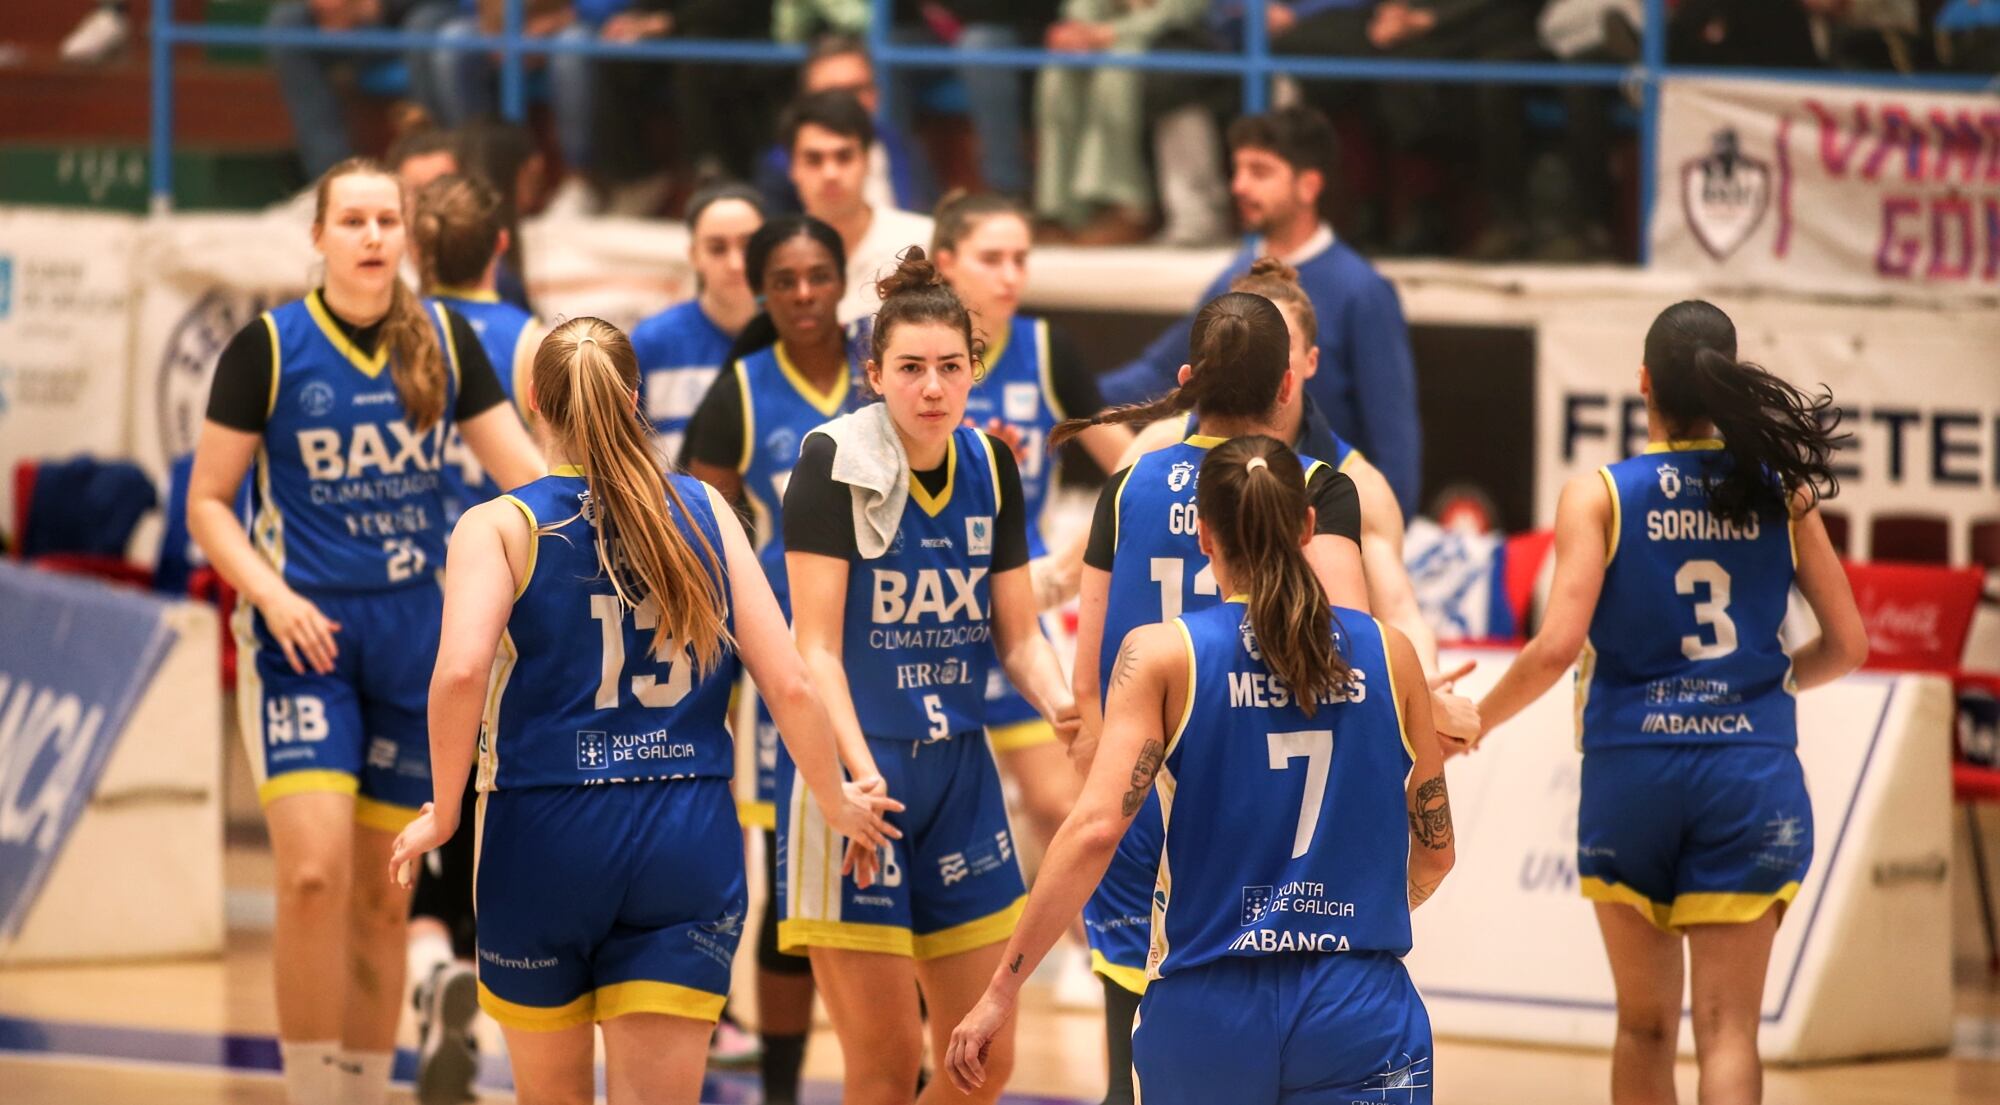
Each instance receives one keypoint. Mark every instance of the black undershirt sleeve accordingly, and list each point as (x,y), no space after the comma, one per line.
(1102,547)
(1075,384)
(1010,526)
(819,512)
(1336,505)
(715,430)
(240,395)
(479,387)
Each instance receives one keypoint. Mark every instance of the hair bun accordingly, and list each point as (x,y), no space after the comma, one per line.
(914,272)
(1274,268)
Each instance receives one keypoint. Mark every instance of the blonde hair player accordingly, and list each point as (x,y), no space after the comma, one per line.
(337,406)
(1673,573)
(617,904)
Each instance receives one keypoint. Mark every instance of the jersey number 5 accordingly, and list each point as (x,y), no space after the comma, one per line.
(1712,612)
(646,687)
(1316,745)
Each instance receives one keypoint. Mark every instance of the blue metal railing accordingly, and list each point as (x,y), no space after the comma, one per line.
(1255,65)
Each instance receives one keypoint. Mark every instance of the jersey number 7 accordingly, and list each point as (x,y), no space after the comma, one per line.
(1316,745)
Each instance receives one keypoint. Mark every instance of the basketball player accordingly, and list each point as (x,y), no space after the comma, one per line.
(460,242)
(1033,380)
(343,401)
(681,348)
(617,904)
(1673,573)
(1276,970)
(1143,564)
(896,593)
(792,369)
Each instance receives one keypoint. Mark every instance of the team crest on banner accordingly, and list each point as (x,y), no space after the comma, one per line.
(1725,194)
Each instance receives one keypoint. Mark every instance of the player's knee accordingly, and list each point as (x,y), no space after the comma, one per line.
(1716,1021)
(1648,1028)
(314,883)
(890,1070)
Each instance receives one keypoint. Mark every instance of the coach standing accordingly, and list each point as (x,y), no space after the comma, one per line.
(1365,387)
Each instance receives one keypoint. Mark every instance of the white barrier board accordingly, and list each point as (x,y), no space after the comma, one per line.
(1509,949)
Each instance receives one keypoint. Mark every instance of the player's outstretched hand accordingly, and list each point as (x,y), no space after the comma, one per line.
(864,803)
(1455,716)
(301,630)
(965,1059)
(427,832)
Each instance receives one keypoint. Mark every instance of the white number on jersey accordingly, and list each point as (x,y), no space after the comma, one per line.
(1712,612)
(934,710)
(405,558)
(1169,572)
(1316,745)
(646,686)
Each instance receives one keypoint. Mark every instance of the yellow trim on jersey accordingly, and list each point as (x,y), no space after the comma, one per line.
(997,352)
(267,526)
(992,469)
(563,470)
(277,364)
(489,721)
(1617,893)
(1617,516)
(478,841)
(450,344)
(1132,980)
(757,815)
(749,418)
(1046,371)
(249,689)
(922,497)
(1118,507)
(1187,707)
(534,540)
(826,402)
(370,366)
(797,934)
(1792,539)
(1728,909)
(1032,733)
(1687,446)
(994,928)
(1353,455)
(1314,467)
(470,295)
(1586,670)
(537,1018)
(1395,697)
(648,996)
(314,781)
(1203,441)
(1157,946)
(384,816)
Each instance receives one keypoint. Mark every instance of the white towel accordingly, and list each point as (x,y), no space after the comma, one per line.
(868,457)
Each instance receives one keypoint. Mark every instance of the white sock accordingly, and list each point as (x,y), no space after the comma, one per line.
(425,951)
(311,1076)
(364,1077)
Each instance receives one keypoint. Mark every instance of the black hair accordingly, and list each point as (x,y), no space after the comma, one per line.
(832,110)
(497,151)
(914,292)
(761,332)
(1239,350)
(715,193)
(1300,135)
(1779,439)
(420,142)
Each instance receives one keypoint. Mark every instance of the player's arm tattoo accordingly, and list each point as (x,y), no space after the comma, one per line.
(1016,965)
(1127,664)
(1430,818)
(1143,771)
(1420,892)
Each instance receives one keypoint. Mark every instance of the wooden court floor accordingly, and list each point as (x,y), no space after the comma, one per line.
(199,1031)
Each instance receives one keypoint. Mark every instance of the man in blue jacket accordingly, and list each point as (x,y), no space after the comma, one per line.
(1366,386)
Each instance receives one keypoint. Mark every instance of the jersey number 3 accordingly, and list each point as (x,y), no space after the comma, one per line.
(649,688)
(1712,612)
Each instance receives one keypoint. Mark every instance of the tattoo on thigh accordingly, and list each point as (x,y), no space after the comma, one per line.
(1430,819)
(1143,771)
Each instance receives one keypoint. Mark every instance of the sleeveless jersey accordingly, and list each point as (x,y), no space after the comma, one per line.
(1683,647)
(917,639)
(1326,869)
(680,350)
(346,494)
(1018,390)
(1339,457)
(780,406)
(1158,571)
(579,695)
(502,328)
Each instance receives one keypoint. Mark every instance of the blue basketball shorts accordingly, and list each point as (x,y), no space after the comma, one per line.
(1011,722)
(1118,918)
(361,729)
(597,901)
(951,884)
(1297,1029)
(1694,835)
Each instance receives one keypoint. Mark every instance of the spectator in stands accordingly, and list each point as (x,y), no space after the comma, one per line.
(828,135)
(896,178)
(425,153)
(707,143)
(994,94)
(1366,383)
(306,78)
(99,36)
(505,155)
(1775,33)
(1090,166)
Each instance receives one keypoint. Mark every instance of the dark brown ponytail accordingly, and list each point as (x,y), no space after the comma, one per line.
(1239,350)
(916,293)
(1251,498)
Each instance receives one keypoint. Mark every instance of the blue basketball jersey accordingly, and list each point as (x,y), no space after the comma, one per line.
(1325,867)
(579,695)
(346,494)
(1158,571)
(503,329)
(1683,647)
(680,350)
(1340,456)
(1018,390)
(780,407)
(917,635)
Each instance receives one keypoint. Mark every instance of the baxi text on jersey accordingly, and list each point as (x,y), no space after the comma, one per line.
(366,452)
(1696,525)
(945,595)
(1261,691)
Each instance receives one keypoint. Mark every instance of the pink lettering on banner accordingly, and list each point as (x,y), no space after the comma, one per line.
(1899,134)
(1989,125)
(1991,271)
(1781,244)
(1958,140)
(1830,131)
(1946,213)
(1897,255)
